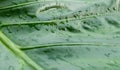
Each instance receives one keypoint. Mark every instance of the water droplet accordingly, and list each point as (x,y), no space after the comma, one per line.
(11,68)
(92,66)
(113,64)
(91,13)
(52,31)
(62,22)
(114,51)
(36,28)
(114,8)
(30,25)
(88,49)
(79,11)
(82,68)
(74,16)
(67,39)
(88,35)
(97,5)
(66,19)
(30,15)
(108,9)
(107,54)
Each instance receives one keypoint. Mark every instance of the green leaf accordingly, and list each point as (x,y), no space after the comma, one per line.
(60,35)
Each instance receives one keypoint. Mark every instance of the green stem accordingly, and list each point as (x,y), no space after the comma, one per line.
(9,44)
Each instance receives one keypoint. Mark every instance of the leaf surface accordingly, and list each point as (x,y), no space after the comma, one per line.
(60,35)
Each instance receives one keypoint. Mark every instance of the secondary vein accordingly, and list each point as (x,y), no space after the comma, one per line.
(66,44)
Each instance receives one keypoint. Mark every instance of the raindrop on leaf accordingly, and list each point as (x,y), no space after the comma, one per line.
(107,54)
(11,68)
(114,8)
(88,49)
